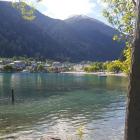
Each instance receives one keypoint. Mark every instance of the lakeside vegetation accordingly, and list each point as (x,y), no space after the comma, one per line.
(24,64)
(116,66)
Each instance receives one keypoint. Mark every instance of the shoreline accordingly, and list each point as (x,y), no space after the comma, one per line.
(102,74)
(98,73)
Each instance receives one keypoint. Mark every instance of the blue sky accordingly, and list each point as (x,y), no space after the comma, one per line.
(62,9)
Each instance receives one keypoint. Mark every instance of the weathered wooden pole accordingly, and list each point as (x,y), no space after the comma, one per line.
(132,126)
(13,97)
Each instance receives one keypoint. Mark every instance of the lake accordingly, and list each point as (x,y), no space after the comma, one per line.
(60,104)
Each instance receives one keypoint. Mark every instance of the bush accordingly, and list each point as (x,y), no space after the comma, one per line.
(8,68)
(96,66)
(115,66)
(40,68)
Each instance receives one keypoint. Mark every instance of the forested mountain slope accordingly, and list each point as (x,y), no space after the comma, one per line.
(75,39)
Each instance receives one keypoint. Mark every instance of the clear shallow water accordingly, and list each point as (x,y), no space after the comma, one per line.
(58,104)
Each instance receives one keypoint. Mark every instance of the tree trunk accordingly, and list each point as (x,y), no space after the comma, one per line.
(132,127)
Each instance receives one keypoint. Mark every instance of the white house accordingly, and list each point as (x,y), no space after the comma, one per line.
(1,62)
(1,67)
(56,65)
(46,66)
(78,67)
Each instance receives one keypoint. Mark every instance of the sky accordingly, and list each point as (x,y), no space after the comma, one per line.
(63,9)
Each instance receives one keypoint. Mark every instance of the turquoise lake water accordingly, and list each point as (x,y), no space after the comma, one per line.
(59,104)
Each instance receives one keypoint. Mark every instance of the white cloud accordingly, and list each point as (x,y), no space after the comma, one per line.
(103,4)
(65,8)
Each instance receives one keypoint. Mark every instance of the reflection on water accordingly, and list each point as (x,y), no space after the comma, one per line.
(48,104)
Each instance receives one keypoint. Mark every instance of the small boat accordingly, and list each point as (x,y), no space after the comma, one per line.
(25,71)
(102,75)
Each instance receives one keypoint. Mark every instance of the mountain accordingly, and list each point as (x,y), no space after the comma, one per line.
(75,39)
(19,37)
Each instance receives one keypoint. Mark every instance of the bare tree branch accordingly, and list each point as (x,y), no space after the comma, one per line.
(134,2)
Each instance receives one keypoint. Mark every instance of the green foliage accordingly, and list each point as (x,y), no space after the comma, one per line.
(8,68)
(26,11)
(40,67)
(121,66)
(86,69)
(121,14)
(115,66)
(96,66)
(127,61)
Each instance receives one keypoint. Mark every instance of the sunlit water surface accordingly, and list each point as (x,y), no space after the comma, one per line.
(59,104)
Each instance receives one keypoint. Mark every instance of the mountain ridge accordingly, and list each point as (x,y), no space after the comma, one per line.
(63,40)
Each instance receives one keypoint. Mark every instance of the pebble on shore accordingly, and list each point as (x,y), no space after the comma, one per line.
(50,138)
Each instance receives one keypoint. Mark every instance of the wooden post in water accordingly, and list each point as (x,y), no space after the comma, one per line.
(13,97)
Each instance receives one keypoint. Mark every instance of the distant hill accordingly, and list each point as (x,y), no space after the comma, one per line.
(75,39)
